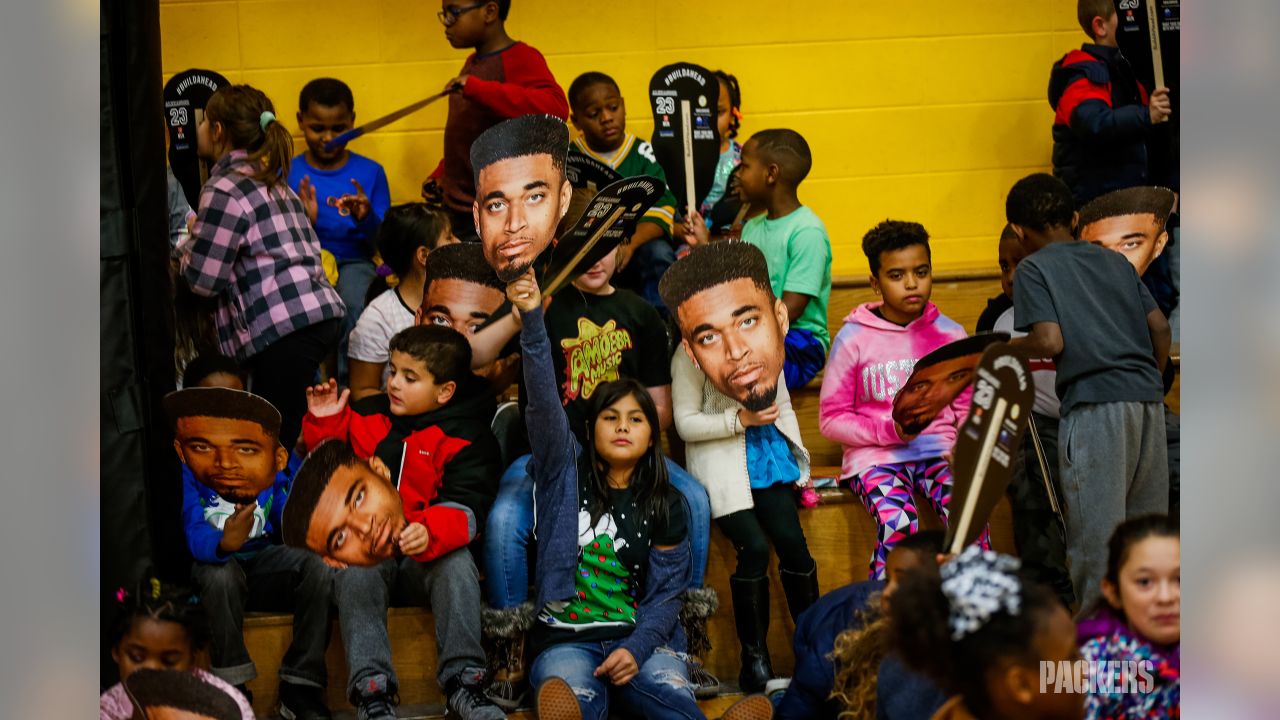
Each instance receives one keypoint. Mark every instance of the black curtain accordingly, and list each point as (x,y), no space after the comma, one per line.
(141,495)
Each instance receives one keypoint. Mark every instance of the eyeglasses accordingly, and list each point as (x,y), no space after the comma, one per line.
(450,15)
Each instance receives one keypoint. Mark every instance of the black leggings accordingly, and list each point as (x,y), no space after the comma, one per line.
(774,515)
(283,370)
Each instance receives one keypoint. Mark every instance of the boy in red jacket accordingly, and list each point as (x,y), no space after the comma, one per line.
(502,79)
(428,438)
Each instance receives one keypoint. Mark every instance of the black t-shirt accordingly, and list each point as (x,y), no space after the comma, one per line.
(1096,297)
(598,338)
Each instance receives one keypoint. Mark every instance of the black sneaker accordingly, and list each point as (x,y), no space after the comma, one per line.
(302,702)
(465,697)
(376,707)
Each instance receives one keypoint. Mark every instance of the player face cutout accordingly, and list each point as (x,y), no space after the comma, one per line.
(459,304)
(235,458)
(931,389)
(1138,237)
(519,202)
(357,519)
(734,333)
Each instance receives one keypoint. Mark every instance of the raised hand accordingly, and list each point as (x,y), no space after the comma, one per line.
(324,400)
(307,194)
(523,292)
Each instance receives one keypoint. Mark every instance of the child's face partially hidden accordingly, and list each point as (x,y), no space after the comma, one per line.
(1011,253)
(753,175)
(1150,591)
(320,124)
(461,305)
(357,519)
(412,388)
(899,563)
(601,115)
(595,281)
(155,645)
(724,114)
(1138,237)
(1056,643)
(905,281)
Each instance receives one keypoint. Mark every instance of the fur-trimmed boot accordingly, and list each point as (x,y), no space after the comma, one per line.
(699,605)
(504,632)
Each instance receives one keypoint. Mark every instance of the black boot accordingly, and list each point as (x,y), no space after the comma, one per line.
(801,589)
(751,615)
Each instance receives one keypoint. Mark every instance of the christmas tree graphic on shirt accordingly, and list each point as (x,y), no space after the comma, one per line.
(605,594)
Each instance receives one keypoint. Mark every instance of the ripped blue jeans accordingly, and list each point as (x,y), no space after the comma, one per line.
(660,691)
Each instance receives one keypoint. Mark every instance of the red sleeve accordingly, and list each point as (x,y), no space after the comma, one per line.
(529,88)
(449,525)
(1076,93)
(316,430)
(364,432)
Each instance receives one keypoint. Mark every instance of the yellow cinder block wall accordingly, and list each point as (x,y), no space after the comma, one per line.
(926,110)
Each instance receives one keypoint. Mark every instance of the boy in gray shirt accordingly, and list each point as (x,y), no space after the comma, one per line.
(1085,307)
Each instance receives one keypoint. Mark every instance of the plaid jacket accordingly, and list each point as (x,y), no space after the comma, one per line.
(254,249)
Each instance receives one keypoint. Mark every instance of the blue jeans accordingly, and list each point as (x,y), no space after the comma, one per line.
(660,690)
(354,278)
(509,532)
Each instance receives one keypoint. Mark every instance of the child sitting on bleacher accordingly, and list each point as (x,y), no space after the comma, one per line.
(871,359)
(600,114)
(408,233)
(401,511)
(794,242)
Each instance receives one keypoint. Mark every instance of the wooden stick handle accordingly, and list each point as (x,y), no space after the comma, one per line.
(686,124)
(1153,27)
(563,276)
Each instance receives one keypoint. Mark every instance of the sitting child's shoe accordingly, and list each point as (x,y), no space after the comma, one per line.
(705,685)
(556,701)
(374,700)
(465,697)
(751,707)
(302,702)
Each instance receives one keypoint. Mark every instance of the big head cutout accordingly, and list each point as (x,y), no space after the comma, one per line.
(1130,221)
(177,695)
(229,438)
(343,508)
(461,290)
(521,190)
(731,325)
(937,379)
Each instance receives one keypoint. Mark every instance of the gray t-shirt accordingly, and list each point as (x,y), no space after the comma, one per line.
(1096,297)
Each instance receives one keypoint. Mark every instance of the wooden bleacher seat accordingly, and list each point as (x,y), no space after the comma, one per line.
(839,531)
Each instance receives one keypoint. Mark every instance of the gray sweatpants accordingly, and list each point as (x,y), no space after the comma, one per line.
(1114,465)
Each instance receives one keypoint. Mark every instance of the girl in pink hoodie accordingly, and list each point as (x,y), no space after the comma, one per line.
(871,358)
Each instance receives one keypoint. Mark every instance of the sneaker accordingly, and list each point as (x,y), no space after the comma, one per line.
(508,694)
(705,685)
(776,688)
(377,707)
(752,707)
(465,697)
(302,702)
(557,701)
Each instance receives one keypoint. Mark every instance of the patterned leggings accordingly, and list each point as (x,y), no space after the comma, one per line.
(885,491)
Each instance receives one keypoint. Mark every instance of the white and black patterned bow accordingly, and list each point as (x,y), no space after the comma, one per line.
(979,583)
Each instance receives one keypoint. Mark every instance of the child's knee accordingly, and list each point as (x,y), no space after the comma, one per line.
(220,580)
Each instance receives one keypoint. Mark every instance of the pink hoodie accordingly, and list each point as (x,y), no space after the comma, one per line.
(871,359)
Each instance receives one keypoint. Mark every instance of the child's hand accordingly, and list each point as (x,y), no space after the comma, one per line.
(236,530)
(413,539)
(357,204)
(523,292)
(1160,107)
(307,194)
(695,229)
(324,400)
(767,416)
(455,85)
(620,666)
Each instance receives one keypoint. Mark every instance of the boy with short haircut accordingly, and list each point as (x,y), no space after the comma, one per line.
(1086,308)
(600,114)
(793,240)
(1036,534)
(1102,112)
(1009,253)
(501,79)
(399,507)
(871,359)
(235,478)
(346,194)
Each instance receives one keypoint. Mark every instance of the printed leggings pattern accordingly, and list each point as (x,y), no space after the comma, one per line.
(885,491)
